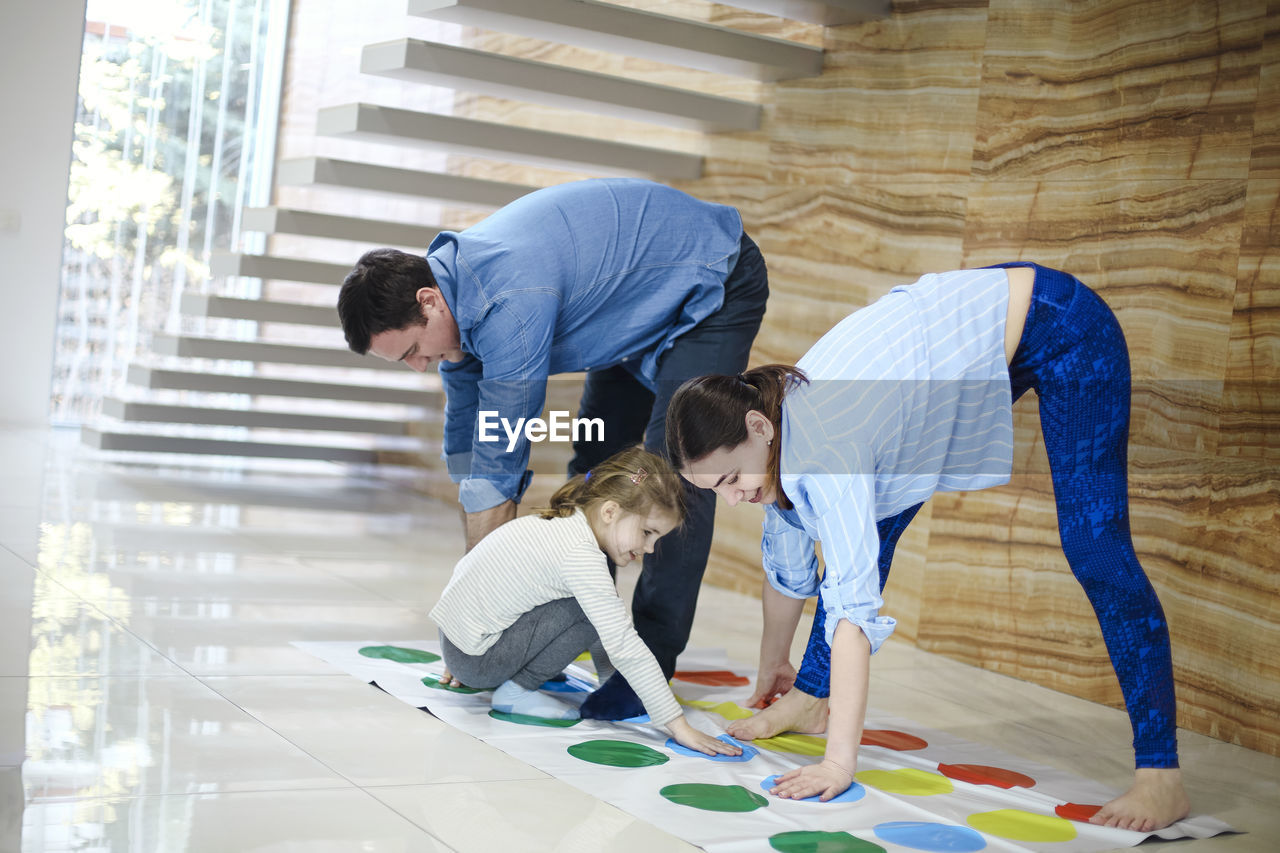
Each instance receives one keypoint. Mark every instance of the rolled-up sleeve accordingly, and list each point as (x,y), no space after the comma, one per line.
(844,508)
(789,559)
(511,383)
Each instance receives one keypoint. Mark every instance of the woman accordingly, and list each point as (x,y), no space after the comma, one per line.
(909,396)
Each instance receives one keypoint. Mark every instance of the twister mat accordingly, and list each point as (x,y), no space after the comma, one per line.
(917,789)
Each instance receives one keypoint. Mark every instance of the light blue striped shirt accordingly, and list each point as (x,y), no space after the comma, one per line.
(907,397)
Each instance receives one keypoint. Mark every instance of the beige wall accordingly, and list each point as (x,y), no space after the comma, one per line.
(1135,144)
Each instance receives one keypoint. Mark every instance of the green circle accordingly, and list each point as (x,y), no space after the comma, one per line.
(526,720)
(617,753)
(714,798)
(399,654)
(807,841)
(434,681)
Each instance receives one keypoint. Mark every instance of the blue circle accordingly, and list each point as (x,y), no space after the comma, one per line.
(933,837)
(640,718)
(748,752)
(565,683)
(851,794)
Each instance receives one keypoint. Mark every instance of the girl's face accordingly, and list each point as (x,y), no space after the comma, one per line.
(738,473)
(625,536)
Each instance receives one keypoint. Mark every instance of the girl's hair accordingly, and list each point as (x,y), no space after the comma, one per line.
(637,480)
(710,412)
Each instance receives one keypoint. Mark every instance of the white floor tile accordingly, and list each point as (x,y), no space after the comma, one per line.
(121,736)
(365,734)
(260,822)
(527,817)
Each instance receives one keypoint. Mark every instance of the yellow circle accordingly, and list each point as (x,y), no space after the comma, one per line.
(793,743)
(1017,825)
(908,780)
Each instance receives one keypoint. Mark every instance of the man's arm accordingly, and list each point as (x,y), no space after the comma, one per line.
(479,524)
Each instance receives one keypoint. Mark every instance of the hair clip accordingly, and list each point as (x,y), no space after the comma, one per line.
(588,477)
(638,477)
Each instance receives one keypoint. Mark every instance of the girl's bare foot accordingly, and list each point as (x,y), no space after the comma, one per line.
(1156,800)
(794,711)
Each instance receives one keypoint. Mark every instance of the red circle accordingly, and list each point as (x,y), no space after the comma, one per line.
(890,739)
(981,774)
(1076,811)
(711,677)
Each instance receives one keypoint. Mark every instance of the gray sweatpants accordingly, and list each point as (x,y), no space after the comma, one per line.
(533,649)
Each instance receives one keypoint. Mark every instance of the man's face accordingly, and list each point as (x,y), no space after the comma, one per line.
(421,345)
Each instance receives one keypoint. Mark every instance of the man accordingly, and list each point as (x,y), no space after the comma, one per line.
(637,284)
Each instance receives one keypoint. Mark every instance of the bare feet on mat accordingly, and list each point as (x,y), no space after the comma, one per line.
(794,711)
(1156,800)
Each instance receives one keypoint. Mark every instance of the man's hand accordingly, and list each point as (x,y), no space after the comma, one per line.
(479,524)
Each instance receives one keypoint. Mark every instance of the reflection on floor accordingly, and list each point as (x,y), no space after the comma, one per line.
(146,673)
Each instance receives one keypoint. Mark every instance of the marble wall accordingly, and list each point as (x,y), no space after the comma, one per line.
(1135,143)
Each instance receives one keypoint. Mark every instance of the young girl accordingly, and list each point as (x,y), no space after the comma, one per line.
(536,592)
(909,396)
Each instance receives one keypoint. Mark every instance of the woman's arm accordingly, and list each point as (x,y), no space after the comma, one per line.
(850,676)
(776,674)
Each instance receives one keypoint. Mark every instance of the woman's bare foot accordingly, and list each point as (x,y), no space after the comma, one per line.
(1156,800)
(794,711)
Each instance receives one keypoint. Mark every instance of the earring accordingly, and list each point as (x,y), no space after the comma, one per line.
(769,443)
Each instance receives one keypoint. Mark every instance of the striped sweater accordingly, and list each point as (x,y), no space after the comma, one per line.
(530,561)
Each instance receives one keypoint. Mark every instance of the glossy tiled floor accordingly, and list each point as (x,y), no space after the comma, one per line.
(147,677)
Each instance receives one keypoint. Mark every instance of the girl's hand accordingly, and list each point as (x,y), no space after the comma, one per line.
(447,679)
(687,735)
(826,779)
(772,682)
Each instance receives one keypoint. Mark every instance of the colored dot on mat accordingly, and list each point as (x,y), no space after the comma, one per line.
(680,749)
(907,780)
(851,794)
(526,720)
(711,677)
(890,739)
(934,837)
(617,753)
(982,774)
(728,710)
(793,743)
(399,655)
(714,798)
(809,841)
(434,681)
(1076,811)
(1017,825)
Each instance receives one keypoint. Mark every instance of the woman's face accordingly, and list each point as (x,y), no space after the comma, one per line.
(738,473)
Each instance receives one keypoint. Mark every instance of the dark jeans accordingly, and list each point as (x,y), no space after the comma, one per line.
(667,592)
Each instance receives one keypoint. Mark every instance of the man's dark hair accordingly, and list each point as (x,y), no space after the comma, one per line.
(380,294)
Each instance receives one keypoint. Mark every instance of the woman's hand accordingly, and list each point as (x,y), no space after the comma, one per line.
(687,735)
(826,779)
(771,682)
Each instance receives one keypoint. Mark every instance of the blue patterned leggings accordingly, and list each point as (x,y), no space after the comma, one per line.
(1073,353)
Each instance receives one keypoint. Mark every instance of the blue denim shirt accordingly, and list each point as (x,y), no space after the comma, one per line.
(574,277)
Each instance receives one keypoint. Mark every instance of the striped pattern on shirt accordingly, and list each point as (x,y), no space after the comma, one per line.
(907,397)
(530,561)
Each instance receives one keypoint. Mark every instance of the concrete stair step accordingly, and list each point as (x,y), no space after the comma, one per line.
(174,413)
(271,266)
(346,174)
(633,32)
(429,396)
(305,223)
(501,141)
(260,310)
(829,13)
(554,85)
